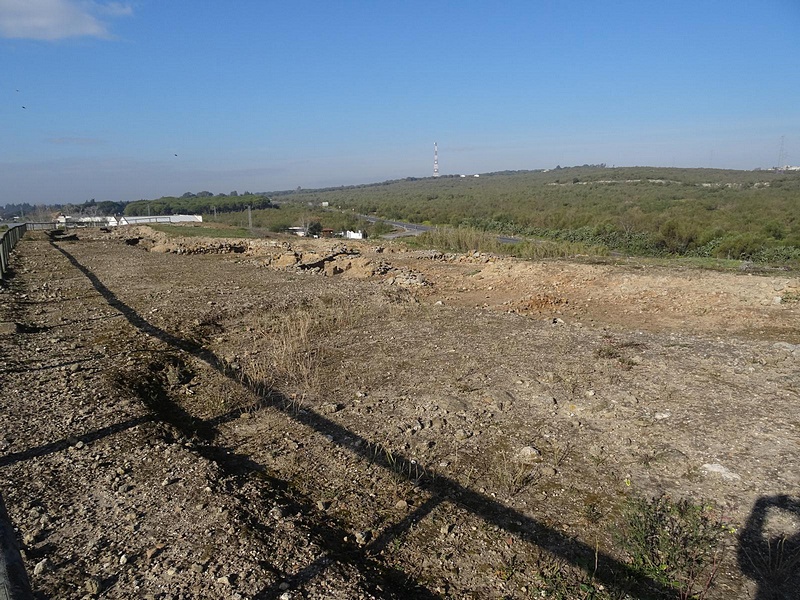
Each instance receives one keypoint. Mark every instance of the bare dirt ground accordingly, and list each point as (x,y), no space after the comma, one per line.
(191,418)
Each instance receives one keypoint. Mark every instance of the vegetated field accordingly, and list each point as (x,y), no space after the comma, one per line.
(297,214)
(263,212)
(742,215)
(259,418)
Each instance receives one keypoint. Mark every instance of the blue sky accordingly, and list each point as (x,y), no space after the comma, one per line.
(263,95)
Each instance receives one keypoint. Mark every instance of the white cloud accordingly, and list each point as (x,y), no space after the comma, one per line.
(115,9)
(57,19)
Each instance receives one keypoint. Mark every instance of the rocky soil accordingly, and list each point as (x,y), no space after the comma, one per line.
(283,418)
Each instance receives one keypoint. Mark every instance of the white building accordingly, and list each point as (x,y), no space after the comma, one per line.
(119,221)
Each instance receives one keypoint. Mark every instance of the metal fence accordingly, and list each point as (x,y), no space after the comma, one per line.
(14,584)
(9,239)
(42,226)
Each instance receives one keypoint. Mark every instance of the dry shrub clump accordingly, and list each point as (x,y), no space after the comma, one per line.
(294,341)
(467,239)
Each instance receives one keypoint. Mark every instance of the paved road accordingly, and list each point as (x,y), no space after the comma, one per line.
(408,228)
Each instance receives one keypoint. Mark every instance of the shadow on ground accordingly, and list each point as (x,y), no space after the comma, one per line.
(609,571)
(770,557)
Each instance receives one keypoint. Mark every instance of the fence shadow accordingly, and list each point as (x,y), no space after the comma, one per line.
(611,572)
(65,443)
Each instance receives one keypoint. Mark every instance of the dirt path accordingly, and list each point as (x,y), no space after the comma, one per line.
(203,420)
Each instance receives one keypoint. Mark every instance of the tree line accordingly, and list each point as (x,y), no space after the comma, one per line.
(189,203)
(198,204)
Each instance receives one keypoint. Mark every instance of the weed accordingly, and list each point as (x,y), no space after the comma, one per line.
(647,458)
(405,469)
(558,579)
(561,453)
(515,476)
(395,544)
(507,570)
(676,543)
(638,345)
(625,363)
(414,471)
(613,350)
(780,558)
(607,352)
(767,554)
(294,403)
(592,513)
(218,402)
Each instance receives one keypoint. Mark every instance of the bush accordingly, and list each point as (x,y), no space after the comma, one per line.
(778,255)
(676,543)
(677,236)
(743,246)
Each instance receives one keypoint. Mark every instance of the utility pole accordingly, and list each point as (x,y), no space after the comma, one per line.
(435,160)
(249,218)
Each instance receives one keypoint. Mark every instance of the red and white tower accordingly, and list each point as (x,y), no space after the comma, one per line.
(435,160)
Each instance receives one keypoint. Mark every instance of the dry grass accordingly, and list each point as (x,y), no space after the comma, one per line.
(465,239)
(293,342)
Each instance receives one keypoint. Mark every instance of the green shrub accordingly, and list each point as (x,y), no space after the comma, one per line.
(743,246)
(675,542)
(778,255)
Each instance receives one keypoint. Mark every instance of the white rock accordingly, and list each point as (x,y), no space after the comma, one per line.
(786,346)
(723,472)
(528,455)
(41,567)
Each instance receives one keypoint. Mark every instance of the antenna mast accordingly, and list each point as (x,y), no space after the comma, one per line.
(781,156)
(435,160)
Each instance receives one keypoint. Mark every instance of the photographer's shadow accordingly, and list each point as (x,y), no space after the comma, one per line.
(768,553)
